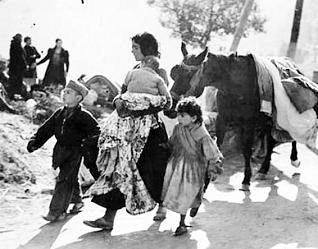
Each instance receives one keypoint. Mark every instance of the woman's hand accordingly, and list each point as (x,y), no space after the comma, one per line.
(121,108)
(119,104)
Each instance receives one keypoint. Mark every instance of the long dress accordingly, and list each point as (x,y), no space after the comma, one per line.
(192,148)
(17,65)
(55,72)
(121,143)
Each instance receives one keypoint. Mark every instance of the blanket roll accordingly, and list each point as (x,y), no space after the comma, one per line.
(302,98)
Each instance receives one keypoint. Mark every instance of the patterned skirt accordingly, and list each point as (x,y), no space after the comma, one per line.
(120,145)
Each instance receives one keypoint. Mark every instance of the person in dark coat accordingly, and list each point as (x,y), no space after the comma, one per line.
(153,159)
(31,54)
(4,78)
(17,65)
(75,129)
(4,106)
(58,66)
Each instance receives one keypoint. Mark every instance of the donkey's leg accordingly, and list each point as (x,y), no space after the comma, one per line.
(267,160)
(220,127)
(247,138)
(293,155)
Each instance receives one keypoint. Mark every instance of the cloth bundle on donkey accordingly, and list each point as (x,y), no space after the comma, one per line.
(302,98)
(300,126)
(121,142)
(302,92)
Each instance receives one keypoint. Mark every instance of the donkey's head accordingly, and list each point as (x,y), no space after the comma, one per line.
(186,77)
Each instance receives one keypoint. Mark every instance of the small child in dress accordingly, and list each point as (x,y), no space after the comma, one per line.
(146,79)
(144,87)
(75,129)
(193,154)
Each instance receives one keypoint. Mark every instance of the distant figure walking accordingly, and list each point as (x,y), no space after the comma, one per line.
(17,65)
(31,54)
(58,66)
(4,79)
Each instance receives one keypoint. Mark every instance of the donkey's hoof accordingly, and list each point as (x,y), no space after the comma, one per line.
(295,163)
(245,187)
(260,176)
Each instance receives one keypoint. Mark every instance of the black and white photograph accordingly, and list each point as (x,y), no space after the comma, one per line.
(159,124)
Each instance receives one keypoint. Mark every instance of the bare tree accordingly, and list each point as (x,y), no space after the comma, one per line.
(241,25)
(194,21)
(295,29)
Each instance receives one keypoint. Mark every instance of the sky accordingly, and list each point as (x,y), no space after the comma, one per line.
(97,33)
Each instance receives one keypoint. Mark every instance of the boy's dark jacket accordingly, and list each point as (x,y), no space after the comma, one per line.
(76,132)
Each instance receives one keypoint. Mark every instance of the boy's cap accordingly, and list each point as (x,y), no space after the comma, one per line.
(78,87)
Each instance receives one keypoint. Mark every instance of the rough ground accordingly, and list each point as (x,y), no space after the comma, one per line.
(280,212)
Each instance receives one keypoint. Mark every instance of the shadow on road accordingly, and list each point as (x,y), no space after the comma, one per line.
(278,213)
(151,238)
(46,237)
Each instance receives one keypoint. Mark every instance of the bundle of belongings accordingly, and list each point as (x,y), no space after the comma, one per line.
(289,98)
(303,92)
(121,142)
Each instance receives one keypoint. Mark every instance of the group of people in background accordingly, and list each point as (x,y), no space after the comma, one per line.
(22,67)
(134,163)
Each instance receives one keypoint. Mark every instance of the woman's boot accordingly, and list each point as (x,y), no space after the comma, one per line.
(106,222)
(109,217)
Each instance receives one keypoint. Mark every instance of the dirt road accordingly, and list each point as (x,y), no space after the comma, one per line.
(278,213)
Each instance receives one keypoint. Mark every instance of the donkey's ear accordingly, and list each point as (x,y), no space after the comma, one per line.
(200,58)
(232,56)
(210,55)
(184,49)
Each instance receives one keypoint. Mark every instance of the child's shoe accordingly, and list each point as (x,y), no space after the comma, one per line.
(181,229)
(160,214)
(77,208)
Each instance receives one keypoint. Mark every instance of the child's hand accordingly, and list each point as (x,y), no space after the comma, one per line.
(218,168)
(214,170)
(212,176)
(31,147)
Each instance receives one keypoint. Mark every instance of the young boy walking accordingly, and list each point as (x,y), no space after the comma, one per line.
(74,129)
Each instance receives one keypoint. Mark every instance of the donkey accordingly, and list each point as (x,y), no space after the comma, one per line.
(238,100)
